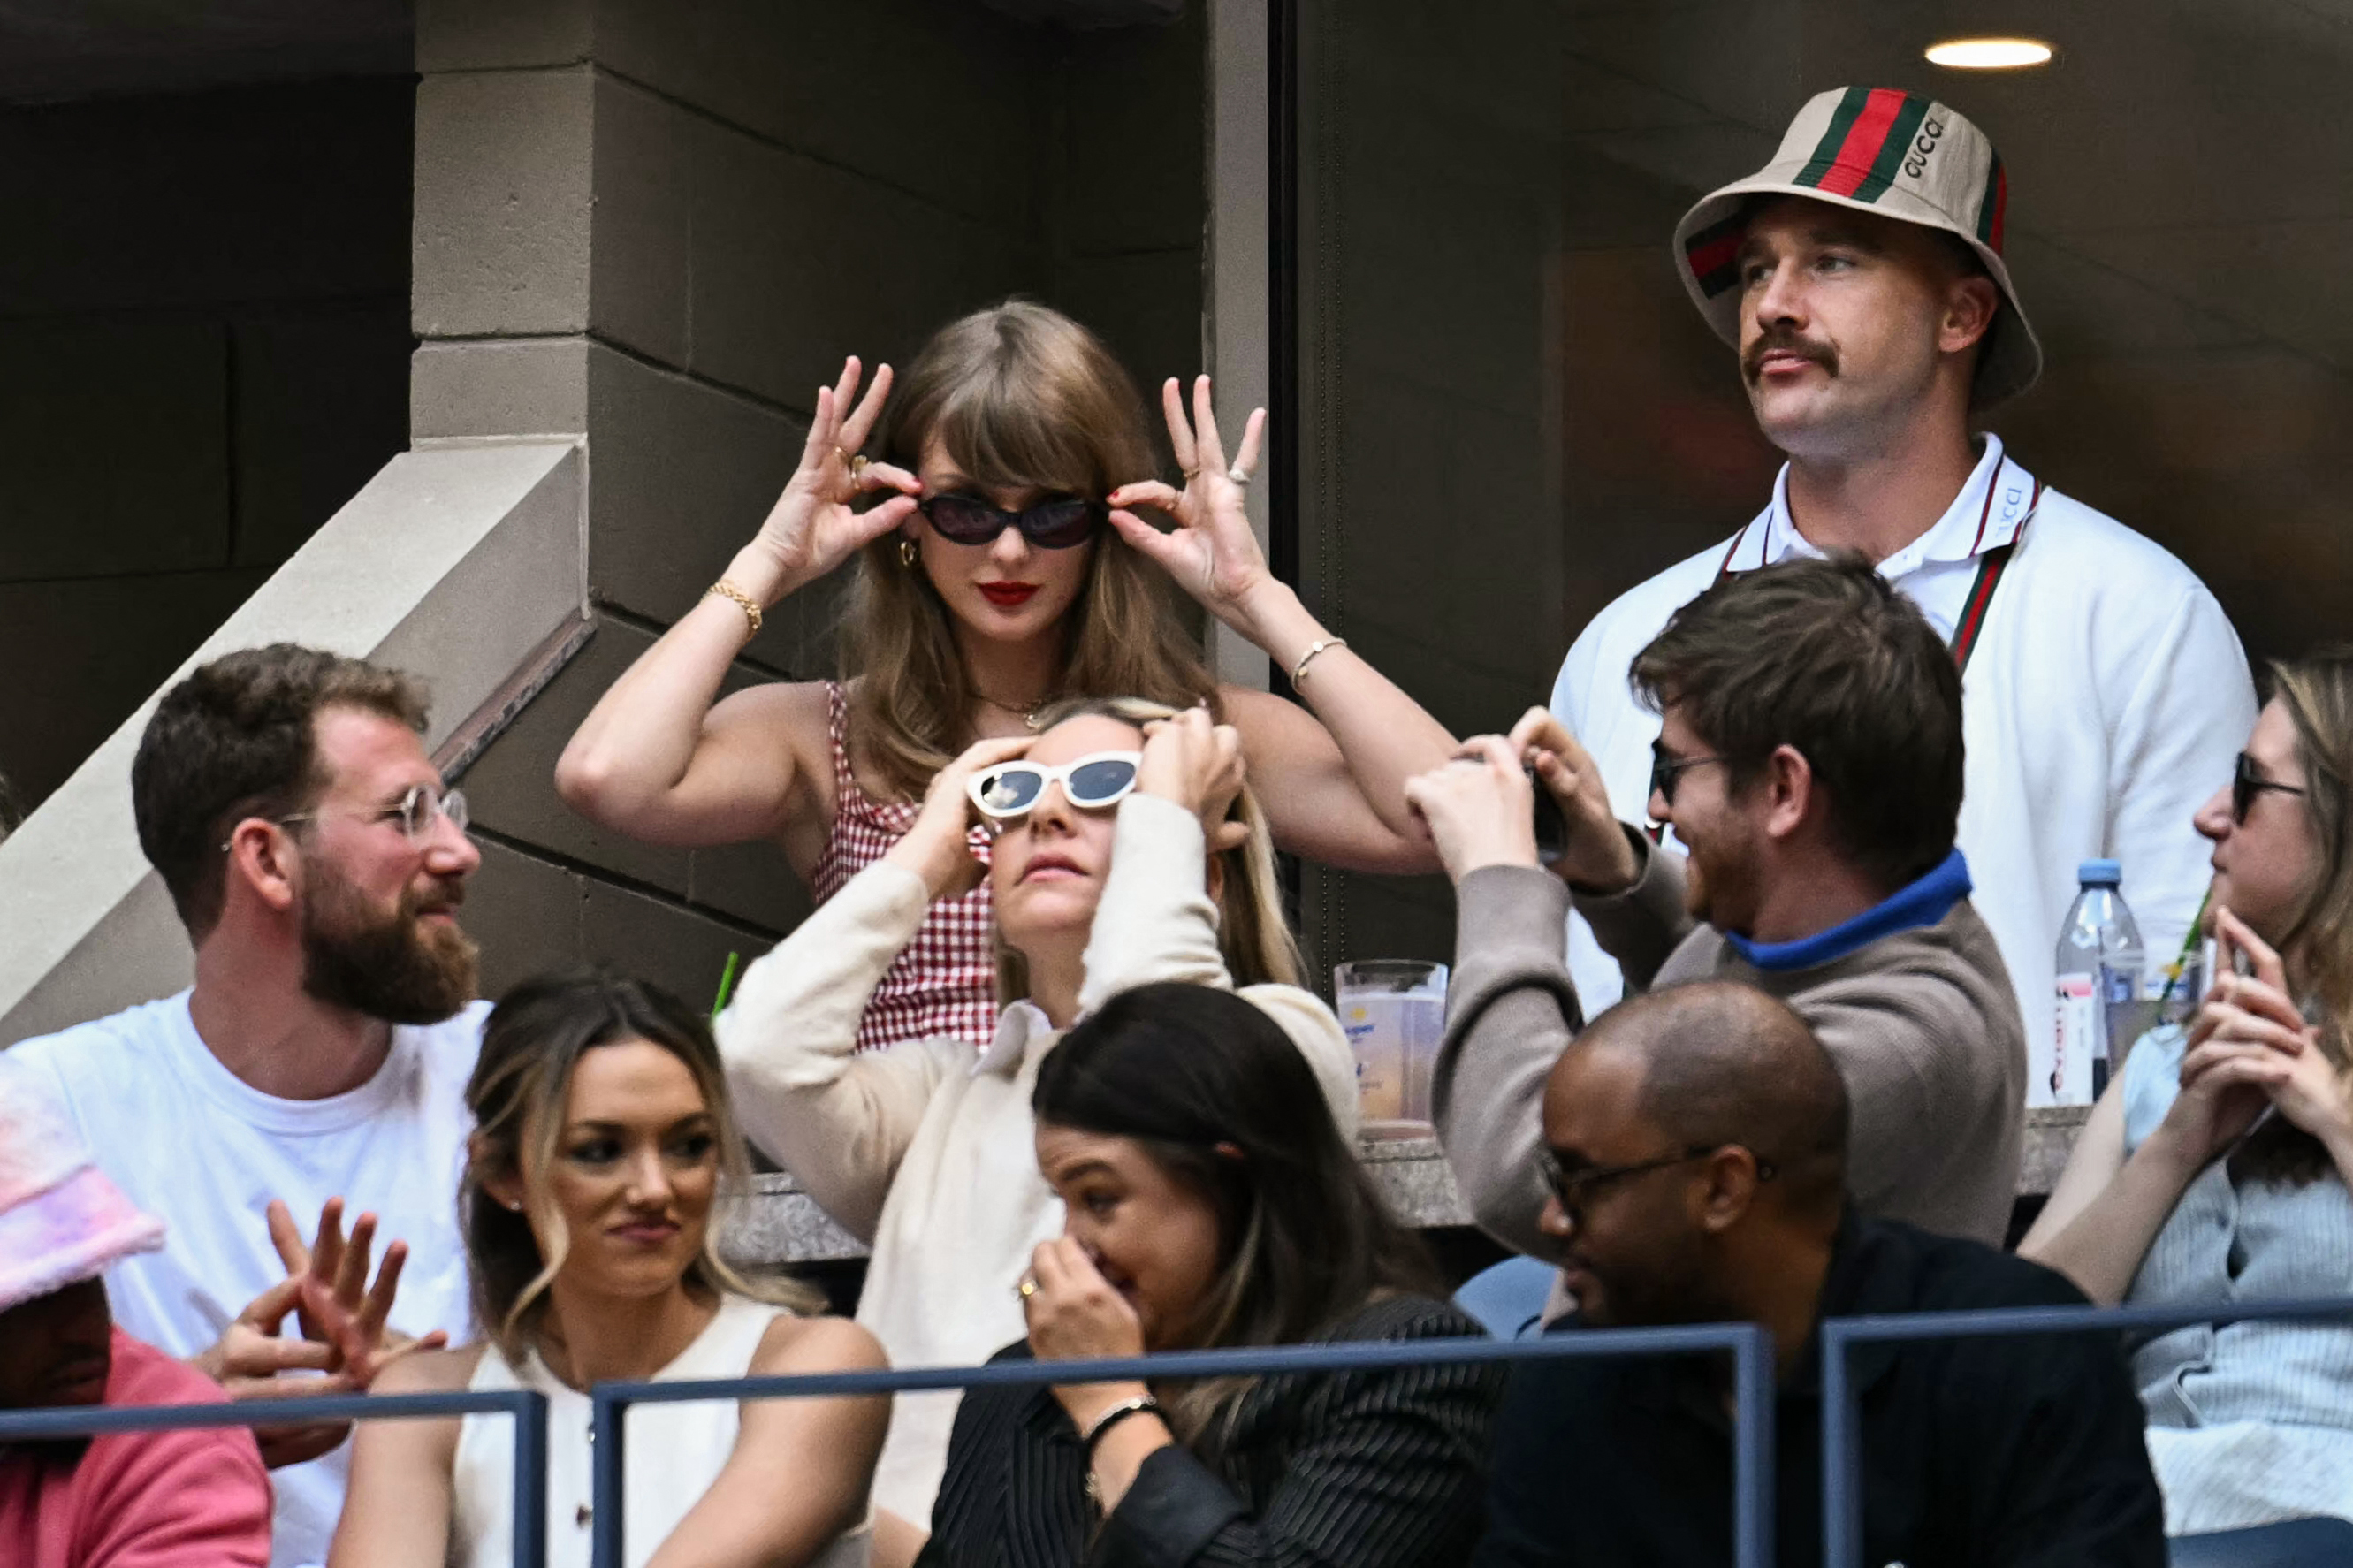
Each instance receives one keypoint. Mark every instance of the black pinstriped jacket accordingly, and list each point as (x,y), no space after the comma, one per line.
(1371,1469)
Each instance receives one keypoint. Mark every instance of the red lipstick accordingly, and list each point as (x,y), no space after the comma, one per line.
(1008,596)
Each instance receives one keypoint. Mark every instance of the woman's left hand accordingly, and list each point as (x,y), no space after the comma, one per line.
(1075,1315)
(2303,1083)
(1197,763)
(1213,553)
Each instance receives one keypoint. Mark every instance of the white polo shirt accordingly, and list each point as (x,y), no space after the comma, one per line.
(2104,701)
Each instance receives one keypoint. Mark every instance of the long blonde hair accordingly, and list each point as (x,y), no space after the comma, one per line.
(2317,943)
(1020,397)
(1253,937)
(532,1044)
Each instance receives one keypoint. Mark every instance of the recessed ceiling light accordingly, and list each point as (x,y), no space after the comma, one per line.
(1990,54)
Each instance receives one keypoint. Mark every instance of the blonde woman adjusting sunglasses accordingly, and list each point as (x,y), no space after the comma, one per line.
(1010,549)
(1127,850)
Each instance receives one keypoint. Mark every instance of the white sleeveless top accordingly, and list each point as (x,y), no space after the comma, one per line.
(675,1452)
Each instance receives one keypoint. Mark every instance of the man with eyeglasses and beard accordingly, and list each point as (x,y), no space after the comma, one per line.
(1693,1156)
(284,797)
(1811,759)
(1860,277)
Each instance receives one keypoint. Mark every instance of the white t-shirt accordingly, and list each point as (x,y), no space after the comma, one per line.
(196,1146)
(2104,703)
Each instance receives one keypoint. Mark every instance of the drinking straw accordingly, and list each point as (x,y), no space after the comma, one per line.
(726,985)
(2173,972)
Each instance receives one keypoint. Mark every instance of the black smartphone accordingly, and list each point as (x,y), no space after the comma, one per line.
(1551,829)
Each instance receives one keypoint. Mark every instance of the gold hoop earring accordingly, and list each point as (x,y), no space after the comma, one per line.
(907,553)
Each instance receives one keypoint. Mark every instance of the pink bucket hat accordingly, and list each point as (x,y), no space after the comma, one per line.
(61,1220)
(1877,149)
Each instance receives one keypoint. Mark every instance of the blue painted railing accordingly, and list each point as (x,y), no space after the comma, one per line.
(1750,1347)
(1747,1344)
(528,1410)
(1842,1483)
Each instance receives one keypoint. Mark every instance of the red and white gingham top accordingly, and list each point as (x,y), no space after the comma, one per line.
(944,982)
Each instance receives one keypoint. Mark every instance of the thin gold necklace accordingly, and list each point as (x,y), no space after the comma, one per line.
(1029,715)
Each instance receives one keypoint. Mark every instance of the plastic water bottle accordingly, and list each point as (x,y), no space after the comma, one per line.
(2100,967)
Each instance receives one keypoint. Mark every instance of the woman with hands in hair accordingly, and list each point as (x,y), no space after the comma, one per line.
(1001,567)
(1211,1202)
(2215,1167)
(1126,849)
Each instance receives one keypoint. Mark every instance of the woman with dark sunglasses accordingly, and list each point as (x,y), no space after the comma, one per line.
(1002,566)
(1119,858)
(2215,1167)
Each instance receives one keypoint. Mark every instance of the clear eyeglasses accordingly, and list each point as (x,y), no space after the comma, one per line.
(415,811)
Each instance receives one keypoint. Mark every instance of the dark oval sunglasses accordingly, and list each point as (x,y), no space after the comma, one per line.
(2247,783)
(1062,523)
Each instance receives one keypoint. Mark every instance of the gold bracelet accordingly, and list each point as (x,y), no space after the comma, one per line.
(750,605)
(1299,671)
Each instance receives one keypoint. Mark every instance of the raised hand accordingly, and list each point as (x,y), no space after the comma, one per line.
(1596,858)
(1480,807)
(342,1347)
(2239,1053)
(1212,553)
(2307,1087)
(811,529)
(338,1307)
(938,847)
(1197,763)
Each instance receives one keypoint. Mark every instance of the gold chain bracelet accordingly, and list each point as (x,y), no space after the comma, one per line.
(751,606)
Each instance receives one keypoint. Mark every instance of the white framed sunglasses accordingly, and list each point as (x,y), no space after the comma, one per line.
(1093,782)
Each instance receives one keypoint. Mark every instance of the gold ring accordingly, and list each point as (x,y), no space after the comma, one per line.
(1026,1289)
(1191,474)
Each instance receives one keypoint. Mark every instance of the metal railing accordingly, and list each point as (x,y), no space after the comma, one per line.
(527,1409)
(1750,1347)
(1842,1483)
(1747,1344)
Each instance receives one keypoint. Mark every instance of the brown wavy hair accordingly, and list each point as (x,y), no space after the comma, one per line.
(1304,1239)
(1020,397)
(1254,936)
(532,1044)
(2318,945)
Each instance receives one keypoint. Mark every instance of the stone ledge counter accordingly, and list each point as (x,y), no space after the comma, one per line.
(782,1225)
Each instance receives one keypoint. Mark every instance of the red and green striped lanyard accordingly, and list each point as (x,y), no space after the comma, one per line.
(1992,564)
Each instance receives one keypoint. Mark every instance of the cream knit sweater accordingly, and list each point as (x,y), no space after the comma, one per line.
(926,1149)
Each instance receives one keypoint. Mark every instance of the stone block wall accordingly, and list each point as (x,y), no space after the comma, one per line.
(661,227)
(203,351)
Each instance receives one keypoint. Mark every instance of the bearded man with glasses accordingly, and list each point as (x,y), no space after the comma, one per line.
(317,861)
(1694,1142)
(1811,761)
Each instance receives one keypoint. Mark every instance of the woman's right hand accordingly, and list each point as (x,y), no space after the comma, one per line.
(1197,763)
(811,529)
(938,847)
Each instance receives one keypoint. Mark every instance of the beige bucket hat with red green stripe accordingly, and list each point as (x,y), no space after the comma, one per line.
(1884,151)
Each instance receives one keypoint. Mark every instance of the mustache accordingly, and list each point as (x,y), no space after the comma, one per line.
(1784,339)
(443,898)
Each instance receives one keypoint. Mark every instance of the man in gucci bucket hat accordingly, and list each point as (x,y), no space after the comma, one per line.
(164,1500)
(1859,277)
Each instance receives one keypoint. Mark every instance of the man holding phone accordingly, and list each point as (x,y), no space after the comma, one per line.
(1859,277)
(1810,757)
